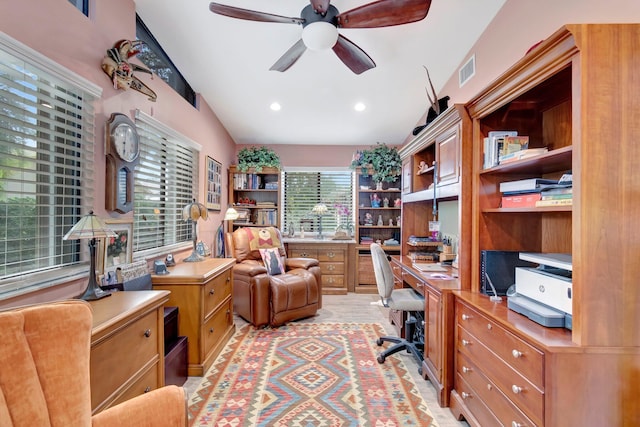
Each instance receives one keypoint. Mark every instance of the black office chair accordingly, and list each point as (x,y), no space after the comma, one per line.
(399,299)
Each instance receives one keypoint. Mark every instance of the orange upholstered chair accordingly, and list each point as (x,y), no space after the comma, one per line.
(44,374)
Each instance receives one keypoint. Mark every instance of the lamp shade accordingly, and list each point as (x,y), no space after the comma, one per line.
(320,209)
(231,214)
(194,211)
(320,35)
(89,227)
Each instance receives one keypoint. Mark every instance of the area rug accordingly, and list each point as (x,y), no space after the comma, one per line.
(307,375)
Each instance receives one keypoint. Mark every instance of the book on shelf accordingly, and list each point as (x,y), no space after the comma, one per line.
(522,154)
(544,196)
(557,191)
(526,200)
(554,202)
(494,145)
(524,185)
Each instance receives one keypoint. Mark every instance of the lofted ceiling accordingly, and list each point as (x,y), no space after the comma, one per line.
(227,61)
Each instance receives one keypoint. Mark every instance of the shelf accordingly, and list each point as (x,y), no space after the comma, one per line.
(379,226)
(427,170)
(530,210)
(268,190)
(381,208)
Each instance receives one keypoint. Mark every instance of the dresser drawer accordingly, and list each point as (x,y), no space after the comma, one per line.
(415,283)
(216,291)
(501,407)
(122,355)
(474,403)
(332,267)
(303,253)
(331,255)
(146,383)
(521,392)
(332,280)
(217,325)
(522,357)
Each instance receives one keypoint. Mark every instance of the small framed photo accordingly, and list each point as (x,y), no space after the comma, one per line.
(213,184)
(116,251)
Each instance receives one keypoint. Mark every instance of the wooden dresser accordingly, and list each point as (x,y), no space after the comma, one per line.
(127,346)
(334,261)
(203,293)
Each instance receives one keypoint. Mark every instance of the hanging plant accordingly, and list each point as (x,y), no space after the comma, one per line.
(257,158)
(384,161)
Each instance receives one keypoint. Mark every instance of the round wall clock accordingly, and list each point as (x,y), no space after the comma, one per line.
(122,151)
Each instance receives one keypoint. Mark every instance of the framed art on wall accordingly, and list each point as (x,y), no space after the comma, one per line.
(118,250)
(213,184)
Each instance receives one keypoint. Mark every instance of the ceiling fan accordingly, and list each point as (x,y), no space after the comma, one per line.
(321,20)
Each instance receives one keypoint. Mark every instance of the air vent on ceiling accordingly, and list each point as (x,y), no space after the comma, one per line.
(467,71)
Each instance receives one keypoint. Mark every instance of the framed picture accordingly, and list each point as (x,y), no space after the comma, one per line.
(213,184)
(117,250)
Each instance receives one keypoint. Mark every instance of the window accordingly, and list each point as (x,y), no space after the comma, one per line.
(81,5)
(46,164)
(165,181)
(303,190)
(154,57)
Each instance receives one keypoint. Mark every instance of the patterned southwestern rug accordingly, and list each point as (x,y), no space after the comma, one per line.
(307,375)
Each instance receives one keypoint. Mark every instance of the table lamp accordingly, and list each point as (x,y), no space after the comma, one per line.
(192,212)
(320,209)
(91,227)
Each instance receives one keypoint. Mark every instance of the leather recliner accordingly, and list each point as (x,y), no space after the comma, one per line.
(262,299)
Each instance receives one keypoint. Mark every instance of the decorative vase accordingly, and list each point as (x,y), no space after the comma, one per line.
(378,186)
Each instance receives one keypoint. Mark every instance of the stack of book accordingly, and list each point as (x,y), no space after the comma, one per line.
(523,193)
(507,146)
(366,240)
(556,196)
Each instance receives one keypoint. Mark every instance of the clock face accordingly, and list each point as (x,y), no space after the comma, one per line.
(125,141)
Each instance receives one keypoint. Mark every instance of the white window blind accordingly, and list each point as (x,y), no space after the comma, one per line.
(165,181)
(46,163)
(303,190)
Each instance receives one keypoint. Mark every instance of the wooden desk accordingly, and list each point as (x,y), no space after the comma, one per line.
(202,291)
(439,328)
(127,346)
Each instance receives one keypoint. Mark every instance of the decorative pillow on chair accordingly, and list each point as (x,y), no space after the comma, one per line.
(272,261)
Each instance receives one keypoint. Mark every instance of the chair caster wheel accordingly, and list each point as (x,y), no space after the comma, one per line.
(381,359)
(420,371)
(379,342)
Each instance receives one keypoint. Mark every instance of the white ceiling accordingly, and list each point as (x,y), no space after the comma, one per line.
(227,61)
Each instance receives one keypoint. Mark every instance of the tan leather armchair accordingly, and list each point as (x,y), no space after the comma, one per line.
(44,374)
(262,299)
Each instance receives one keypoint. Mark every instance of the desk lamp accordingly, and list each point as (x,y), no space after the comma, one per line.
(320,209)
(192,212)
(91,227)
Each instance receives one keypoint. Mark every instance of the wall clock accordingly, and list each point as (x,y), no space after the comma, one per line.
(122,151)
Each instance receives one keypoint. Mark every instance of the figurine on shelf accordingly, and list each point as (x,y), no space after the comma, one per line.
(385,202)
(375,200)
(422,167)
(380,221)
(390,222)
(397,202)
(368,219)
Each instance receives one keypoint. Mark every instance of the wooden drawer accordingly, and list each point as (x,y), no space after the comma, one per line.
(122,355)
(366,276)
(501,407)
(217,326)
(332,267)
(303,253)
(147,382)
(333,280)
(521,392)
(331,255)
(216,291)
(527,360)
(475,404)
(415,283)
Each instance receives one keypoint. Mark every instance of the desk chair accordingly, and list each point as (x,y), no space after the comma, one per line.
(399,299)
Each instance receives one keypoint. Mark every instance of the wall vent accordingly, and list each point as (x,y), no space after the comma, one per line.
(467,71)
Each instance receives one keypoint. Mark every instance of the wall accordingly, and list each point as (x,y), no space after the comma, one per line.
(56,29)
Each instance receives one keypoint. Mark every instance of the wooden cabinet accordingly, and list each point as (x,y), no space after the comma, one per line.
(334,262)
(565,96)
(377,222)
(127,346)
(203,293)
(256,197)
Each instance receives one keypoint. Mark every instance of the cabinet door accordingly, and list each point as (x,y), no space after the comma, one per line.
(448,155)
(432,340)
(407,169)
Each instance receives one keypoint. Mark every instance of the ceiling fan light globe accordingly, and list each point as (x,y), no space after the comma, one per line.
(320,35)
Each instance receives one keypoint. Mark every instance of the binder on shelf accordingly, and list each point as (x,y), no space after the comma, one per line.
(524,185)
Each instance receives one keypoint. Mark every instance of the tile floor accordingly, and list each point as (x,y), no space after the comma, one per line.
(358,308)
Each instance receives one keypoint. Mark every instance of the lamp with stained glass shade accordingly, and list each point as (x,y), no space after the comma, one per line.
(320,209)
(91,227)
(193,212)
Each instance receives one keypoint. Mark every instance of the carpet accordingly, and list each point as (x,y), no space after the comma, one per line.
(307,375)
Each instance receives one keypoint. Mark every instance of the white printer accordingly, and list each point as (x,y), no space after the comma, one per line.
(544,293)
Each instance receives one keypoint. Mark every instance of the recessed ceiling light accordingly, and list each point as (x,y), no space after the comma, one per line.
(275,106)
(359,106)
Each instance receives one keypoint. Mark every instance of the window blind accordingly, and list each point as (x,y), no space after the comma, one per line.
(46,162)
(165,181)
(303,190)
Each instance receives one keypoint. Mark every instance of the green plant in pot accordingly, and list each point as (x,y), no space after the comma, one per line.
(384,161)
(257,158)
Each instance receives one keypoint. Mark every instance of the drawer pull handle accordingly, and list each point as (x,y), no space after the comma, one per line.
(465,395)
(515,353)
(516,389)
(516,424)
(331,267)
(211,330)
(466,342)
(147,333)
(331,254)
(489,387)
(466,369)
(228,279)
(489,326)
(147,389)
(212,291)
(466,317)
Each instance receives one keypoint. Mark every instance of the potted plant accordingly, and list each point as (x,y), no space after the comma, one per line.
(383,161)
(257,158)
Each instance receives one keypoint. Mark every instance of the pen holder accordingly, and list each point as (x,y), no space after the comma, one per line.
(447,249)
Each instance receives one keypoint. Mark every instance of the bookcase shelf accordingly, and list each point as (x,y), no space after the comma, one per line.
(250,185)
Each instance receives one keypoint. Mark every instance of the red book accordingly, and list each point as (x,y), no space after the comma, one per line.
(520,200)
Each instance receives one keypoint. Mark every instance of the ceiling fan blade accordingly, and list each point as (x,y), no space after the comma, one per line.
(384,13)
(352,56)
(290,57)
(251,15)
(320,6)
